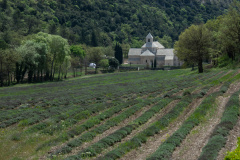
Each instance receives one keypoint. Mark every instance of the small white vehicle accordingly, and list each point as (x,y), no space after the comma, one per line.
(93,65)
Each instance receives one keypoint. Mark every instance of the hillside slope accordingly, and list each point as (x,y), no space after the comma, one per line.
(105,20)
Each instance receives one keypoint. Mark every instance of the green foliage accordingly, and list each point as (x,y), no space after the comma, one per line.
(16,137)
(113,63)
(193,45)
(95,23)
(118,53)
(104,63)
(186,92)
(77,51)
(234,154)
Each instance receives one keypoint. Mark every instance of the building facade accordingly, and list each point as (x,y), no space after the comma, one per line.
(153,50)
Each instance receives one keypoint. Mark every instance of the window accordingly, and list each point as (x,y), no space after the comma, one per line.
(148,40)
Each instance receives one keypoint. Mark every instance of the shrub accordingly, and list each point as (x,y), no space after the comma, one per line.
(186,92)
(16,137)
(113,63)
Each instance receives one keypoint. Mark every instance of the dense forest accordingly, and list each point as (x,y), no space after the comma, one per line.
(100,22)
(40,40)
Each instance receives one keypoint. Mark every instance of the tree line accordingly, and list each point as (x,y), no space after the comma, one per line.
(217,40)
(39,58)
(45,57)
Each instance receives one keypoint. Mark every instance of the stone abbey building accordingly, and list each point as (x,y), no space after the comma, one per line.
(153,50)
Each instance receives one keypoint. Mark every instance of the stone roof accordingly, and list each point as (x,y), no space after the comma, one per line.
(134,51)
(168,52)
(149,36)
(159,45)
(147,53)
(153,45)
(149,45)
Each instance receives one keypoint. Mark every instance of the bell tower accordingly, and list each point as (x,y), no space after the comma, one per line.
(149,38)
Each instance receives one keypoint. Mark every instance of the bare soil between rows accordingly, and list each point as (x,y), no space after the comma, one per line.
(153,143)
(191,147)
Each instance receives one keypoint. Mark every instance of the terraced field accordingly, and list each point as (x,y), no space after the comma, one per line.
(137,115)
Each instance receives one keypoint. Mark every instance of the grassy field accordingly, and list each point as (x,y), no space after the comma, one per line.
(118,115)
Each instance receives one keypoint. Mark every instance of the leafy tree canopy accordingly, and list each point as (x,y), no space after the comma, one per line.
(98,23)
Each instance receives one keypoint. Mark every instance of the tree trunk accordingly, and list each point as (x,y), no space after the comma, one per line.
(1,76)
(200,66)
(73,71)
(47,75)
(8,78)
(18,75)
(30,75)
(193,67)
(35,77)
(59,72)
(66,74)
(52,76)
(23,73)
(54,68)
(81,67)
(38,75)
(85,67)
(41,76)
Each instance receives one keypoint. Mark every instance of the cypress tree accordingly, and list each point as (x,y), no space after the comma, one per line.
(94,40)
(118,53)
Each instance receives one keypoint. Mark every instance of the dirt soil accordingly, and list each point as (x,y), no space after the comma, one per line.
(191,147)
(153,143)
(231,143)
(110,131)
(154,118)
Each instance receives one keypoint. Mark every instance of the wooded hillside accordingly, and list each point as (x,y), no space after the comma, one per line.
(100,22)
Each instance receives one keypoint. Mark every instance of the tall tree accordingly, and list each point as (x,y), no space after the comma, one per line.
(29,55)
(229,32)
(194,45)
(78,53)
(95,55)
(118,53)
(59,50)
(94,39)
